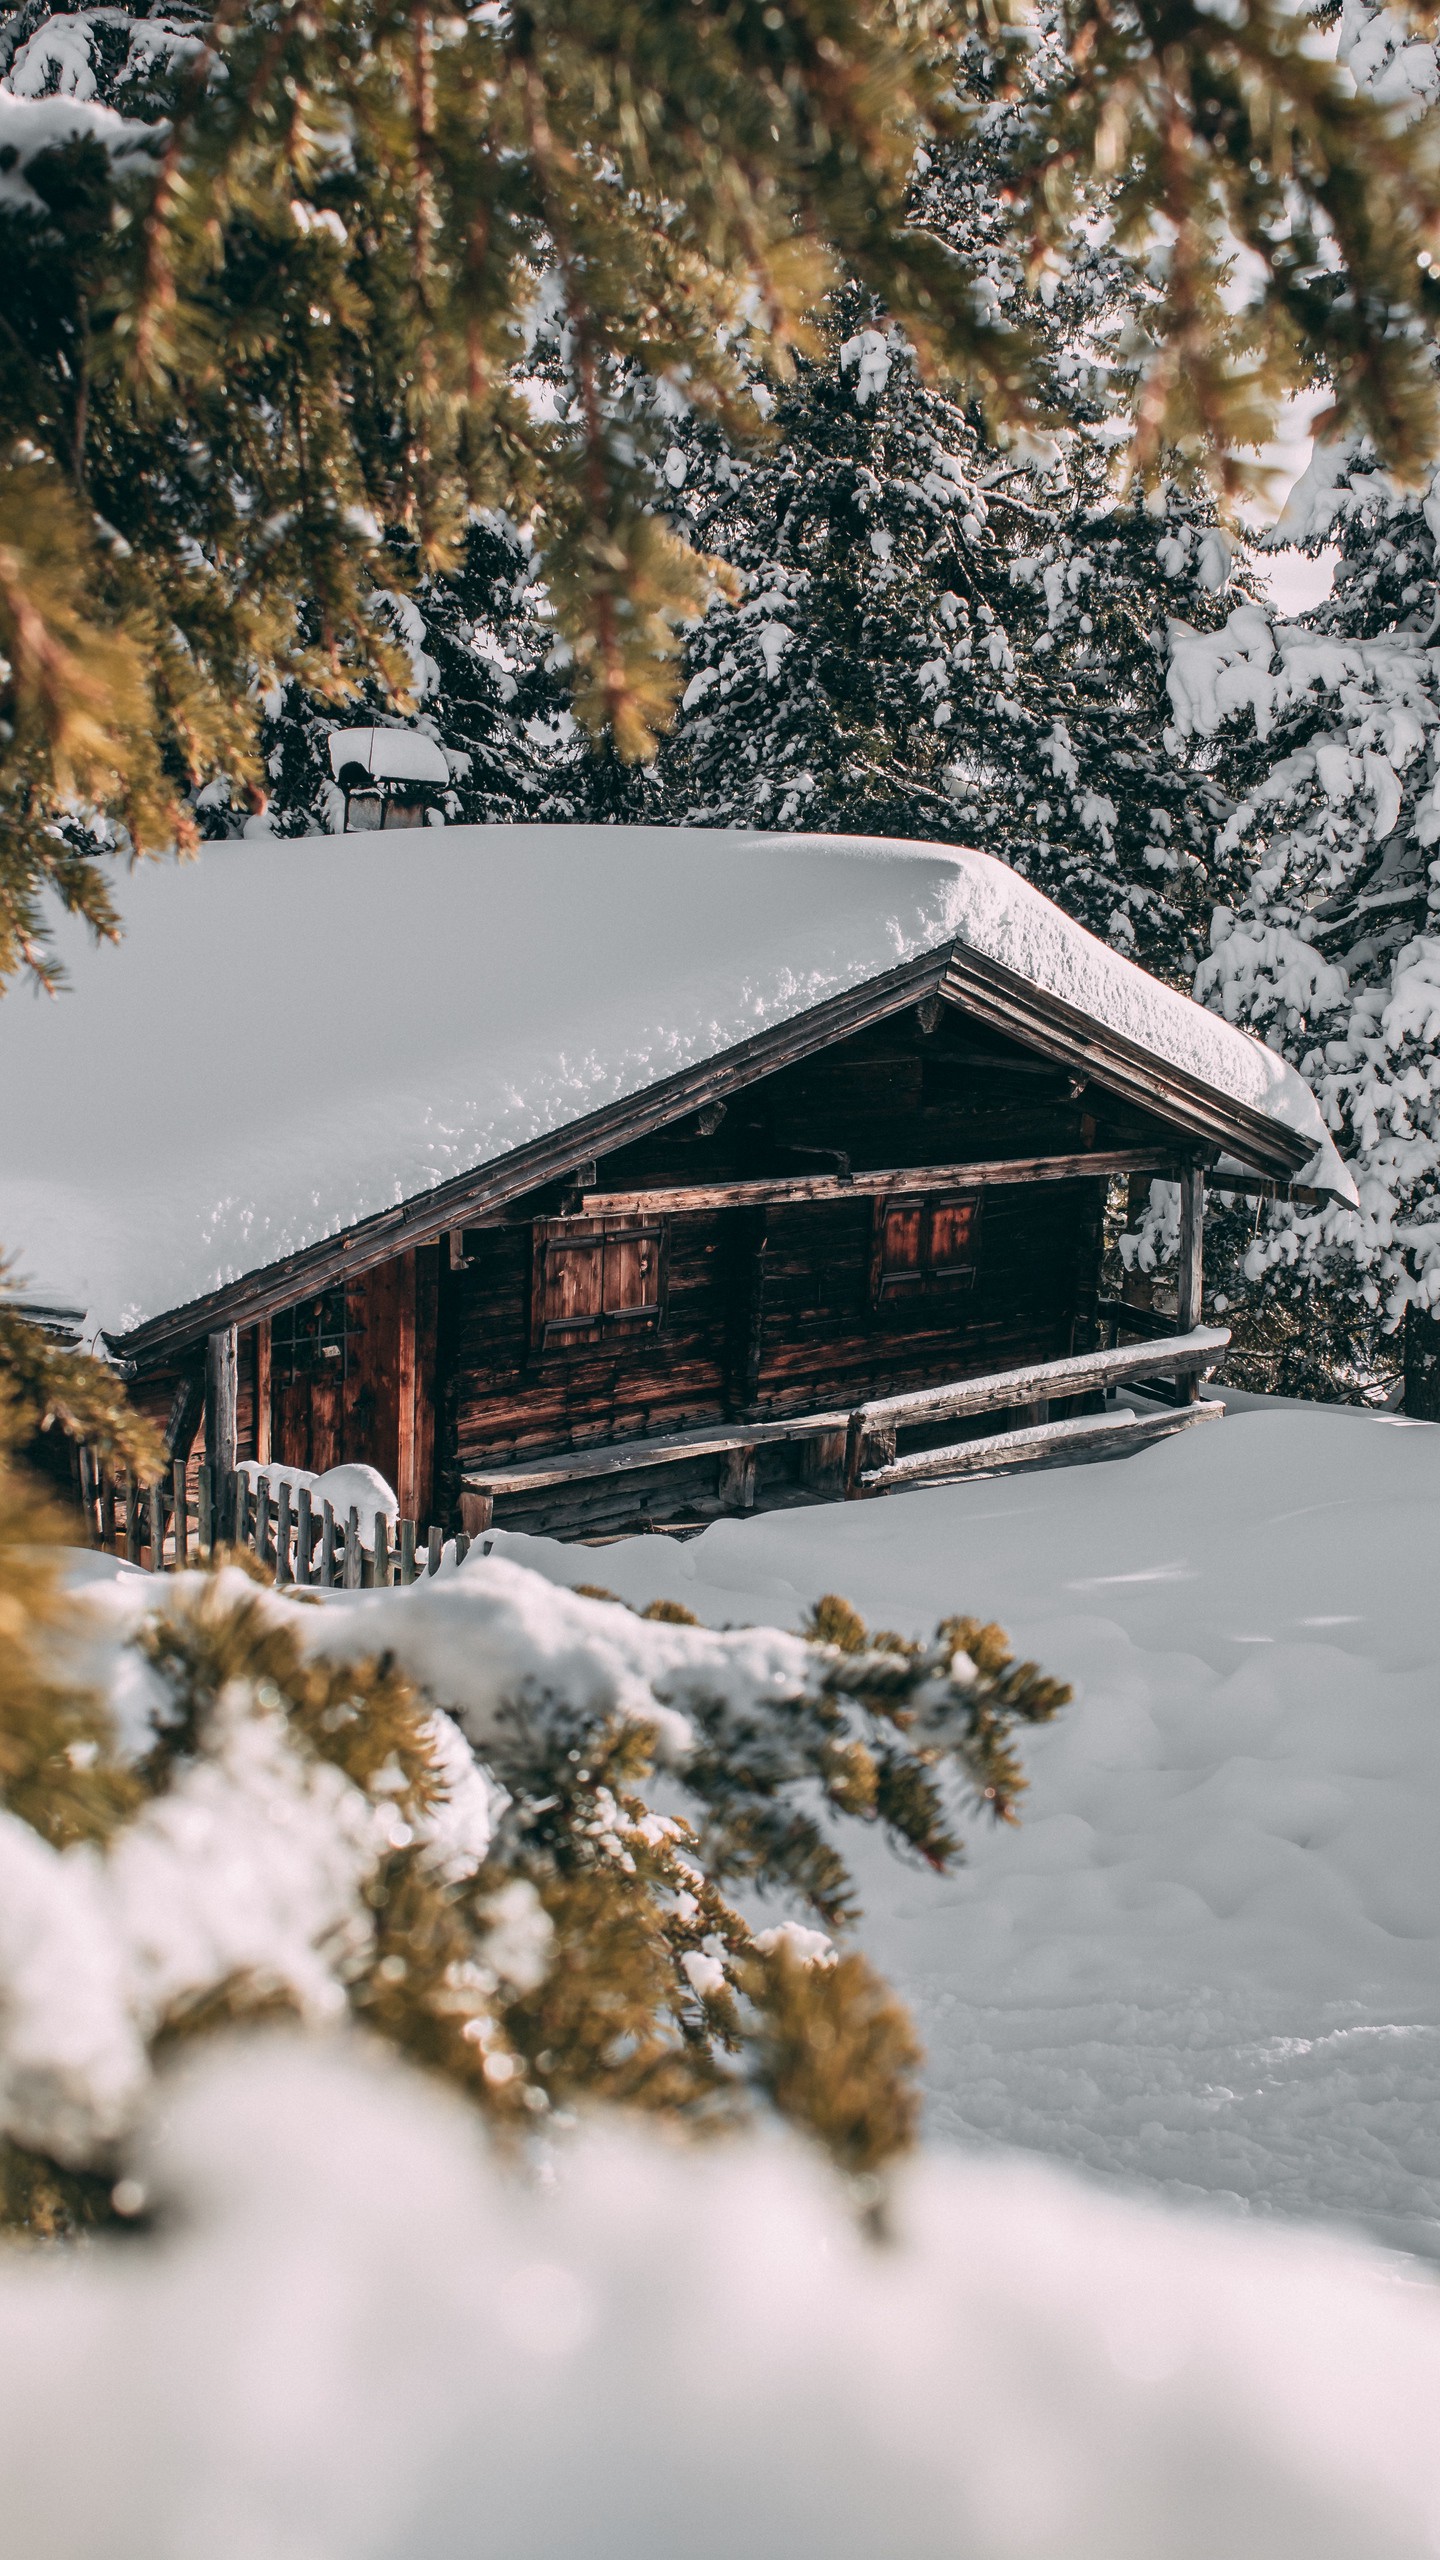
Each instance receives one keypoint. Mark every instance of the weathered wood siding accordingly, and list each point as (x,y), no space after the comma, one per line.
(773,1311)
(767,1311)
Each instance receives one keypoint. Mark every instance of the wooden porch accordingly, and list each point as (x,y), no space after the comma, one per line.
(881,1446)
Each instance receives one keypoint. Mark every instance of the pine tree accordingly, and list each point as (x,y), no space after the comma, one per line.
(942,637)
(263,314)
(1325,736)
(489,681)
(1328,736)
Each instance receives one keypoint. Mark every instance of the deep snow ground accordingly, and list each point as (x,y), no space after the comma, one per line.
(1210,1958)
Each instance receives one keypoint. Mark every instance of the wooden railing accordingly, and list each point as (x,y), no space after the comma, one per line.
(873,1463)
(162,1528)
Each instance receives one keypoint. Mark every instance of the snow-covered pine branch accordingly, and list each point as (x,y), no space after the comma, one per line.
(433,1810)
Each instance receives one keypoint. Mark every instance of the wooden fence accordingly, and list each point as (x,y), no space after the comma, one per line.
(163,1527)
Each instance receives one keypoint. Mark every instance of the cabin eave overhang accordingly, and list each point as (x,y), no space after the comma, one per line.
(1203,1120)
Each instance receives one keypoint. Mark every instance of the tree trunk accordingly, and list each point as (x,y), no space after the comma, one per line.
(1422,1365)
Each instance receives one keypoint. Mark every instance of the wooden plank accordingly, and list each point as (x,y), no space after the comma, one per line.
(282,1533)
(427,1327)
(157,1526)
(262,1519)
(350,1574)
(1267,1186)
(822,1464)
(621,1457)
(182,1515)
(901,1181)
(183,1419)
(1046,1023)
(262,1392)
(1048,1378)
(132,1520)
(1190,1285)
(434,1549)
(407,1551)
(735,1487)
(221,1401)
(1144,1320)
(404,1357)
(86,1472)
(1052,1443)
(304,1534)
(327,1549)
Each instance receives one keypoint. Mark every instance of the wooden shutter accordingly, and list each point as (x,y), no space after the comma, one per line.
(571,1288)
(631,1285)
(595,1276)
(954,1226)
(900,1246)
(923,1246)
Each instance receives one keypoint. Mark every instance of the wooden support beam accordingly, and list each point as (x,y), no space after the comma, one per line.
(675,1199)
(1190,1290)
(735,1485)
(183,1420)
(406,1483)
(262,1392)
(1268,1186)
(222,1370)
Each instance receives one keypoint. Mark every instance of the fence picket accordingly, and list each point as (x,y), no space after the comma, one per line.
(204,1510)
(132,1519)
(350,1577)
(282,1533)
(304,1534)
(157,1527)
(182,1516)
(327,1549)
(262,1519)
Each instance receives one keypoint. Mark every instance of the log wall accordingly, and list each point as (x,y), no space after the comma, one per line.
(772,1311)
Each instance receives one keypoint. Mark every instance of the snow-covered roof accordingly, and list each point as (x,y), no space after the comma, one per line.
(392,755)
(298,1034)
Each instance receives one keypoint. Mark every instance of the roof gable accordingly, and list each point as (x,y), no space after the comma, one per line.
(308,1041)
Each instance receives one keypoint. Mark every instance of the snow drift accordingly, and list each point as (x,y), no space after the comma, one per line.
(360,2340)
(1209,1957)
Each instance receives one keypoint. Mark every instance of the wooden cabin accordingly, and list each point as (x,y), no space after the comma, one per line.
(857,1245)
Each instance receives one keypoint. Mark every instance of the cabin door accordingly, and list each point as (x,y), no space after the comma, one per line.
(352,1378)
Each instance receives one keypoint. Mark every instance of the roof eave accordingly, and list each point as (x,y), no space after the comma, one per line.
(981,987)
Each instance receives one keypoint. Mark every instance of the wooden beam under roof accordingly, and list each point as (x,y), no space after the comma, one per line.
(674,1199)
